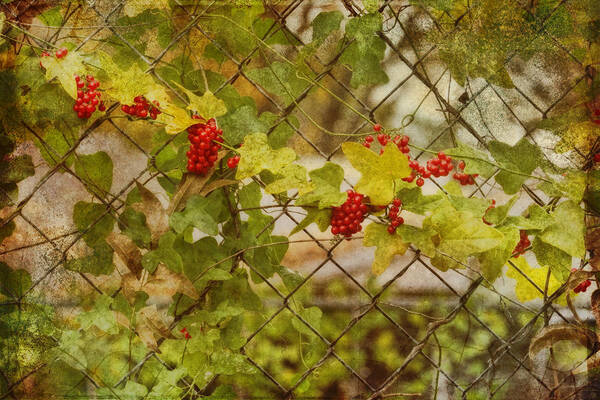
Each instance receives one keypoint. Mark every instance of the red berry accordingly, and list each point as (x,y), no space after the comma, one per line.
(397,202)
(597,157)
(391,229)
(461,164)
(369,139)
(420,182)
(60,53)
(376,127)
(347,218)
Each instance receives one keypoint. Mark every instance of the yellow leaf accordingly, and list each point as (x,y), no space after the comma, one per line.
(378,171)
(135,7)
(176,119)
(65,69)
(524,289)
(126,85)
(388,245)
(207,106)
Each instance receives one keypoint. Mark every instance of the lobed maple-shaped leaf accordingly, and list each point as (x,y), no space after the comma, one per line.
(325,182)
(567,233)
(387,245)
(519,161)
(207,106)
(378,172)
(256,156)
(176,119)
(125,85)
(65,69)
(524,289)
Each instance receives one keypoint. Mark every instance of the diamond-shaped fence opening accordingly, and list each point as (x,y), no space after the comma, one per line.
(325,327)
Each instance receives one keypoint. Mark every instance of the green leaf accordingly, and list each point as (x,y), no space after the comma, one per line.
(365,53)
(280,79)
(239,122)
(461,234)
(325,23)
(58,144)
(414,201)
(326,183)
(378,172)
(223,392)
(167,386)
(476,161)
(164,253)
(99,262)
(207,106)
(131,391)
(568,230)
(51,17)
(498,214)
(522,158)
(388,245)
(293,177)
(197,213)
(13,282)
(257,156)
(312,315)
(422,239)
(537,219)
(94,215)
(469,237)
(321,217)
(228,363)
(492,261)
(96,170)
(571,186)
(557,260)
(16,169)
(100,316)
(133,224)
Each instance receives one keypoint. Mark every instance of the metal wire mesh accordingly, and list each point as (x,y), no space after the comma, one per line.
(508,348)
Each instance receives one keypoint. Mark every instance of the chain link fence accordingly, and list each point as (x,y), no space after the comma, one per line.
(411,288)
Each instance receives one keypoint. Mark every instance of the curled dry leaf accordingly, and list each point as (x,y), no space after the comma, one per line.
(214,185)
(163,282)
(127,252)
(549,335)
(592,243)
(156,216)
(577,277)
(153,325)
(190,185)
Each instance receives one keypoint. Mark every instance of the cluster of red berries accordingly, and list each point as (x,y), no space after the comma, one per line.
(60,53)
(441,165)
(141,108)
(186,334)
(233,161)
(582,287)
(205,142)
(464,179)
(347,218)
(399,140)
(493,205)
(395,219)
(523,244)
(87,97)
